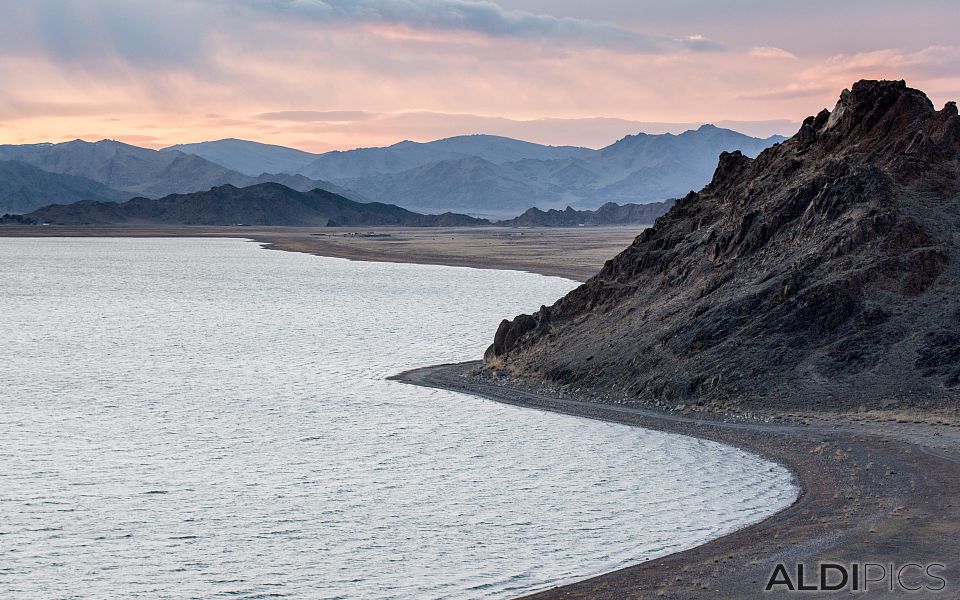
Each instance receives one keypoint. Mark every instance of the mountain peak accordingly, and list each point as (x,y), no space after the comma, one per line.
(895,125)
(870,92)
(872,107)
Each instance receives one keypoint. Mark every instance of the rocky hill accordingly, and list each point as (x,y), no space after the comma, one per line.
(608,214)
(269,204)
(824,274)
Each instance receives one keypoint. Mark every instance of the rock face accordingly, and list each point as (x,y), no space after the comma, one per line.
(262,204)
(824,274)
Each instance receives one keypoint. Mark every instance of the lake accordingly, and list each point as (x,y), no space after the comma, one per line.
(204,418)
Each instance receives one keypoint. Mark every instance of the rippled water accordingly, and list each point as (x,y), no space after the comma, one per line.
(203,418)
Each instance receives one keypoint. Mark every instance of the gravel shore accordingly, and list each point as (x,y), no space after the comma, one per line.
(877,489)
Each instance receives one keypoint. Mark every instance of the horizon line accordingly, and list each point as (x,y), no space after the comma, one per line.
(690,127)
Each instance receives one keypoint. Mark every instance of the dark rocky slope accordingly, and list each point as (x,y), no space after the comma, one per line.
(824,274)
(263,204)
(608,214)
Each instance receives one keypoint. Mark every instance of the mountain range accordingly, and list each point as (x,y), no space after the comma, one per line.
(641,168)
(477,174)
(364,162)
(822,275)
(127,171)
(272,204)
(501,177)
(265,204)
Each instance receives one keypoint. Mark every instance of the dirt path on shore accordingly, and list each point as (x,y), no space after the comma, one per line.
(877,492)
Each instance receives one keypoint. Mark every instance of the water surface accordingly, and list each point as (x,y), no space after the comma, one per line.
(203,418)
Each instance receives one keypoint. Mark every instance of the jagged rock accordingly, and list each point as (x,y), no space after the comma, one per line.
(608,214)
(823,271)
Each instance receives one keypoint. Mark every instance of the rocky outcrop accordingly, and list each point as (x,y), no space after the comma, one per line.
(825,273)
(608,214)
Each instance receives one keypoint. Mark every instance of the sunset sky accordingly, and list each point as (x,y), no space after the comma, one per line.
(334,74)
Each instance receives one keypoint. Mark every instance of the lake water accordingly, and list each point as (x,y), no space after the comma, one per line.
(205,418)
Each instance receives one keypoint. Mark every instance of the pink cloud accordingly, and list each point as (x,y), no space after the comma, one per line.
(771,52)
(322,81)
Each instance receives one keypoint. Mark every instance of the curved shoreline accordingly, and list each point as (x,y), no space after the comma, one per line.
(869,492)
(879,490)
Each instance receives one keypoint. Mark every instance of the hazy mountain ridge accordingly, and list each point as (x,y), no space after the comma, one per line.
(406,155)
(266,204)
(825,272)
(246,157)
(470,184)
(139,171)
(641,168)
(24,188)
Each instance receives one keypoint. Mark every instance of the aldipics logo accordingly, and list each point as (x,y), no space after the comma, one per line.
(858,577)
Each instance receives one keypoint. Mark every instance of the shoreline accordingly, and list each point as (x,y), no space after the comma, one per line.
(872,491)
(533,250)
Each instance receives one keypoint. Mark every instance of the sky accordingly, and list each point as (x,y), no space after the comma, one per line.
(336,74)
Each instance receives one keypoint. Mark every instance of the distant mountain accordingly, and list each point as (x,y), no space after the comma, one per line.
(249,158)
(24,188)
(262,204)
(303,184)
(608,214)
(139,171)
(652,167)
(499,150)
(468,184)
(640,168)
(477,174)
(364,162)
